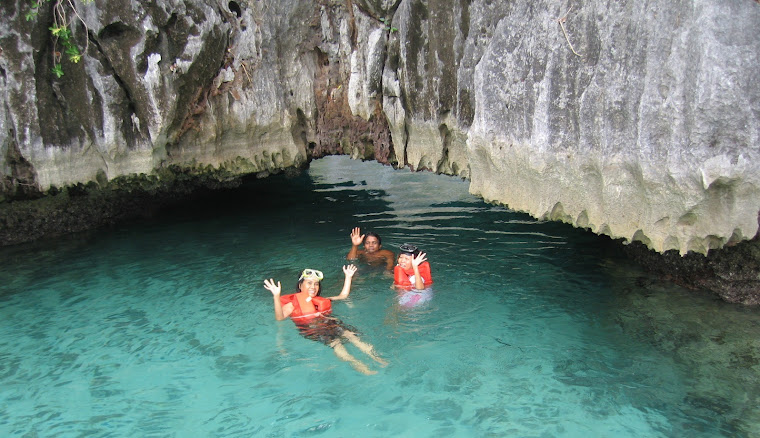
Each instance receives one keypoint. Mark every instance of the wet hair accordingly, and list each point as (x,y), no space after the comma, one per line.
(375,235)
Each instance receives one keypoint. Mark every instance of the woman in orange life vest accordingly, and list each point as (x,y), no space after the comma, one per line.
(310,313)
(412,270)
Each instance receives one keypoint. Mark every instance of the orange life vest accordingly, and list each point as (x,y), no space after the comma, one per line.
(322,307)
(402,277)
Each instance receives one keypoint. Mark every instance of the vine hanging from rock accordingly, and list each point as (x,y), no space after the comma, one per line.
(65,12)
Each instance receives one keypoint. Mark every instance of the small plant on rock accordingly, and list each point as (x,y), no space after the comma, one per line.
(60,30)
(388,27)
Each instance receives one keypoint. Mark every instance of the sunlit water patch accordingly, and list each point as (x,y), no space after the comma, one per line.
(531,329)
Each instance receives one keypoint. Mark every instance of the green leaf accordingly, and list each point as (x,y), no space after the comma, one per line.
(31,15)
(75,58)
(55,30)
(57,70)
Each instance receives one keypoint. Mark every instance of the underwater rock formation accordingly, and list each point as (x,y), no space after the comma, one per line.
(641,123)
(711,339)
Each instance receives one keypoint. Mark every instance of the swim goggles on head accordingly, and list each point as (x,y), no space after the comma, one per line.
(311,273)
(408,247)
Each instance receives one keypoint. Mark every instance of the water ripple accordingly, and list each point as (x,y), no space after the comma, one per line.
(164,328)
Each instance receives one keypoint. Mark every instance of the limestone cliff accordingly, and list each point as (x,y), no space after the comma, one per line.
(636,120)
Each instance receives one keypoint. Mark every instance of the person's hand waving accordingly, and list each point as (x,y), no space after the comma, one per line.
(349,270)
(270,285)
(356,236)
(419,258)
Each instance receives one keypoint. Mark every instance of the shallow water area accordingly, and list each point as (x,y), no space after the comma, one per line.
(531,329)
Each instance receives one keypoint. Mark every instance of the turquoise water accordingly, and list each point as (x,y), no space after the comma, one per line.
(164,329)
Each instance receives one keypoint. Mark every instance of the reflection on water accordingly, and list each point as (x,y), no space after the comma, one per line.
(163,328)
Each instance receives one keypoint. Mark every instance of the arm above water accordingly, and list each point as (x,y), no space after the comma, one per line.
(356,239)
(349,271)
(280,312)
(418,278)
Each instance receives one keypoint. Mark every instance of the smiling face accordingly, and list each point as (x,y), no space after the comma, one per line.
(371,244)
(405,260)
(310,286)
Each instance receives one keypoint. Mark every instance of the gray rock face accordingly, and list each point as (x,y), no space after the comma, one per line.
(650,133)
(636,122)
(161,83)
(639,121)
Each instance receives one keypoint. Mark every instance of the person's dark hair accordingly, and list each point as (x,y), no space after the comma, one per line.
(375,235)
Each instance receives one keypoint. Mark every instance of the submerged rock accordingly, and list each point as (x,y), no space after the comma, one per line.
(719,344)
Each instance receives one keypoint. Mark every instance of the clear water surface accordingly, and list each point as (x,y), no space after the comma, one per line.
(535,329)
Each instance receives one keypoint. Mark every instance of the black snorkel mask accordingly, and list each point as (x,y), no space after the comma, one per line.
(408,248)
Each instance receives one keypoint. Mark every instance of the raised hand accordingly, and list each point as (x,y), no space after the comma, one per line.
(356,236)
(270,285)
(419,258)
(349,270)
